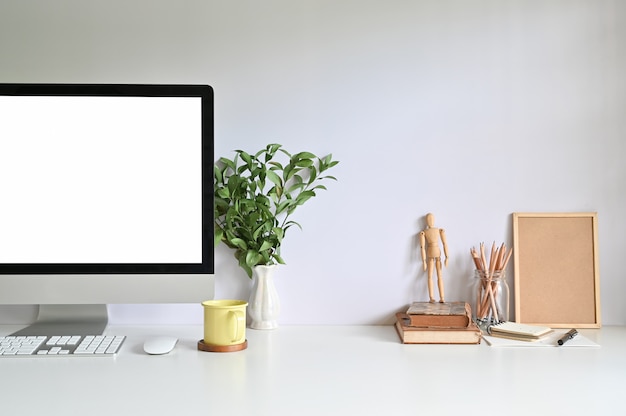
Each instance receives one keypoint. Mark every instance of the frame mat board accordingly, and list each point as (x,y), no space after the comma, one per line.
(556,269)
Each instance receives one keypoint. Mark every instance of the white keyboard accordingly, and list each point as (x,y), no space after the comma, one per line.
(70,345)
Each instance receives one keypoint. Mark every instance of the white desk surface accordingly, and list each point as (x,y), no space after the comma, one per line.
(321,370)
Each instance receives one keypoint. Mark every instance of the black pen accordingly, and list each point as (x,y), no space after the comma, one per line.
(569,335)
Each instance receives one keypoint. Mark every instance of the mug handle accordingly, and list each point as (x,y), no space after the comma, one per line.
(240,322)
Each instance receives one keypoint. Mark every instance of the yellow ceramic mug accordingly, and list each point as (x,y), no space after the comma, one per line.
(224,322)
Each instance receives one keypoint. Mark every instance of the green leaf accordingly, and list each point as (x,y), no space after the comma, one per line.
(219,233)
(272,176)
(223,192)
(283,205)
(261,199)
(245,266)
(253,258)
(289,224)
(270,151)
(261,229)
(265,246)
(275,166)
(286,153)
(304,196)
(304,155)
(255,196)
(304,163)
(238,242)
(288,172)
(245,157)
(228,163)
(276,193)
(220,206)
(319,187)
(278,259)
(312,174)
(217,174)
(233,183)
(279,233)
(296,187)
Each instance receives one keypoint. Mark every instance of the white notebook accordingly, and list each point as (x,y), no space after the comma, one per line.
(549,340)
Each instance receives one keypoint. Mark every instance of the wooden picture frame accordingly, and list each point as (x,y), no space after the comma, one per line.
(557,281)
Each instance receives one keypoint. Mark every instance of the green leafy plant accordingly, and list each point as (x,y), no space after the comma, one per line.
(255,196)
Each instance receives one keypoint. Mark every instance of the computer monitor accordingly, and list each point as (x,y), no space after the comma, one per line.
(106,196)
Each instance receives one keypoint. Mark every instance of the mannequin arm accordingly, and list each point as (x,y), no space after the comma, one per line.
(423,248)
(442,233)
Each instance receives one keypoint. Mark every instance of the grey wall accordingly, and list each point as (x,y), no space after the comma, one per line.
(471,110)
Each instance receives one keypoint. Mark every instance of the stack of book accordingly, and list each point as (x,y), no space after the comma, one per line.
(437,323)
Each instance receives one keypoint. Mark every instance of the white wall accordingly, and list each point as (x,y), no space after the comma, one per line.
(471,110)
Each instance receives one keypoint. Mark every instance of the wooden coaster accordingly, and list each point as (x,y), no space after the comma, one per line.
(221,348)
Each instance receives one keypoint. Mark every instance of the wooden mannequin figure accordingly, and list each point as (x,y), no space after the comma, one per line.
(431,255)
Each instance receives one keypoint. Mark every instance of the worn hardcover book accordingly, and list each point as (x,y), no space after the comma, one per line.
(434,335)
(447,315)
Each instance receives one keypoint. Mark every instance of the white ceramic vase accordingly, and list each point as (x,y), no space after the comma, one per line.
(264,305)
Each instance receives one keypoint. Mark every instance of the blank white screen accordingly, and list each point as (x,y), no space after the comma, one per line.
(100,180)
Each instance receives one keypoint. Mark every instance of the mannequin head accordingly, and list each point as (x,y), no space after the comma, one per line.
(430,220)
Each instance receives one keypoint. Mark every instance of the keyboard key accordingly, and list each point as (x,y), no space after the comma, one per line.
(73,340)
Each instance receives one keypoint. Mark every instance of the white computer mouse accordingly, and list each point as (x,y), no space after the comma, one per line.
(159,345)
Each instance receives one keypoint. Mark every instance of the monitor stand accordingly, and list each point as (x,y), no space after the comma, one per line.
(68,320)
